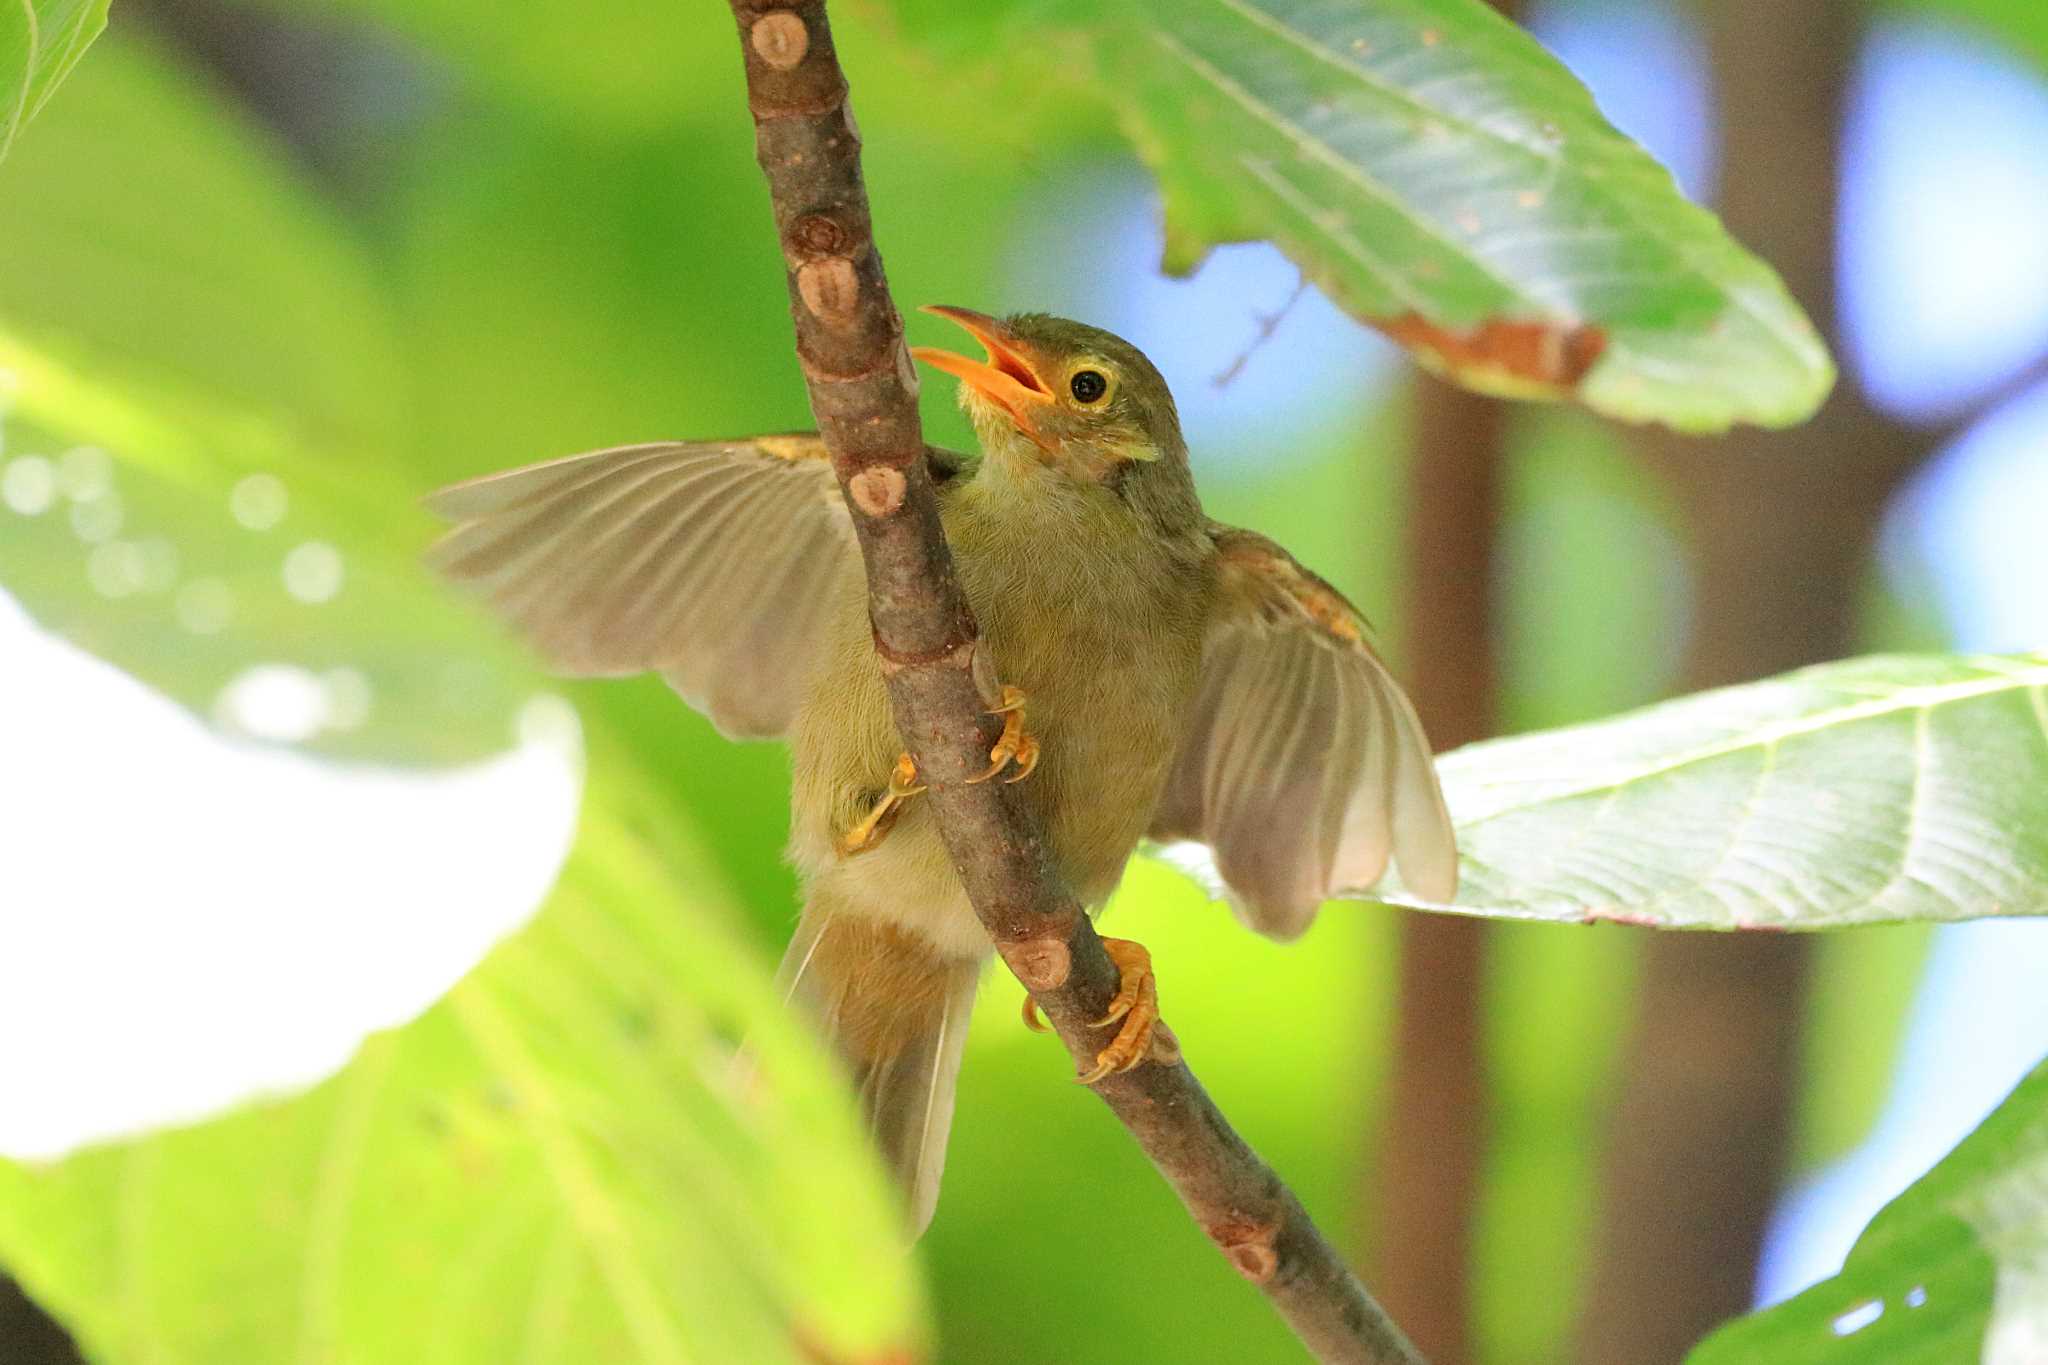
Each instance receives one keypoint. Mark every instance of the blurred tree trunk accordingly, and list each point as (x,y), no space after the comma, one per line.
(1781,526)
(1432,1152)
(27,1335)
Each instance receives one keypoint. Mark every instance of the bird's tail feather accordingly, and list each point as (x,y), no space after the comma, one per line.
(897,1011)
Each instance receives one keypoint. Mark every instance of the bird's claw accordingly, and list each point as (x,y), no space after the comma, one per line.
(1015,744)
(1136,1003)
(1144,1036)
(869,832)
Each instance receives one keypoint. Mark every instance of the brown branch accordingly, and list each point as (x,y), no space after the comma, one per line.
(1955,426)
(863,390)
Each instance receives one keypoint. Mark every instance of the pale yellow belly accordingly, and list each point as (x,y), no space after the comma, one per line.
(1105,648)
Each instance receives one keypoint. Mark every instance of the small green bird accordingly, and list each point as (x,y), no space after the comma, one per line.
(1182,680)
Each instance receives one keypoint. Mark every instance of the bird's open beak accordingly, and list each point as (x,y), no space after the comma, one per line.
(1008,378)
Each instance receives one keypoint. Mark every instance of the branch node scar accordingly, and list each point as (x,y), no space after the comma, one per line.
(780,39)
(877,490)
(1248,1245)
(1042,964)
(817,234)
(830,288)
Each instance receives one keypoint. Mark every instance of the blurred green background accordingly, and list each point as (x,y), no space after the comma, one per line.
(419,240)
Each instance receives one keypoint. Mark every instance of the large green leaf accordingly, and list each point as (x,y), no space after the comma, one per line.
(562,1161)
(203,400)
(190,544)
(40,41)
(152,235)
(559,1161)
(1953,1270)
(1903,787)
(1442,176)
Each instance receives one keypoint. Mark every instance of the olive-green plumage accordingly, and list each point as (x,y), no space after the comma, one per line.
(1184,680)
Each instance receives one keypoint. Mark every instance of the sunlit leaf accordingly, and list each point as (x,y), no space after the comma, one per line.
(566,1132)
(191,545)
(152,234)
(200,391)
(1955,1269)
(1443,177)
(560,1162)
(1888,788)
(40,41)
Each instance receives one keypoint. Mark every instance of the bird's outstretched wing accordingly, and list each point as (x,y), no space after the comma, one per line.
(714,564)
(1304,767)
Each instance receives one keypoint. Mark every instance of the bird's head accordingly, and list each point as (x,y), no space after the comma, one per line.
(1065,394)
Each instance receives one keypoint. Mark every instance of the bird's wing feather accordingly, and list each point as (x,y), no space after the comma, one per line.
(712,563)
(1304,767)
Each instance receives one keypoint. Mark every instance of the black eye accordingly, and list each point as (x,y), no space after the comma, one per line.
(1088,385)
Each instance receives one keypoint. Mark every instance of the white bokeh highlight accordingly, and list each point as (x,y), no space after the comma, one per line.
(189,921)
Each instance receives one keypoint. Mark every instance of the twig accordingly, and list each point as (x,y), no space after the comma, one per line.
(1267,324)
(863,390)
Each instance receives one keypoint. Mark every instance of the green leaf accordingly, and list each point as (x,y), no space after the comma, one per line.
(40,41)
(562,1161)
(153,236)
(2020,24)
(202,404)
(1437,172)
(559,1162)
(190,544)
(1955,1269)
(1901,787)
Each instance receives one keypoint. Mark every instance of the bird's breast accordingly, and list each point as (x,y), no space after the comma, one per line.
(1101,627)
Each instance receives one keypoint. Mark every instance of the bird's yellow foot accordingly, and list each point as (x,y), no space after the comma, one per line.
(1015,744)
(876,824)
(1136,1003)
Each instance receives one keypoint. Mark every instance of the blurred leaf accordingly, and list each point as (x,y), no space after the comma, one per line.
(2021,24)
(1954,1269)
(560,1162)
(189,545)
(625,67)
(40,41)
(1594,575)
(1895,787)
(224,490)
(153,236)
(1438,173)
